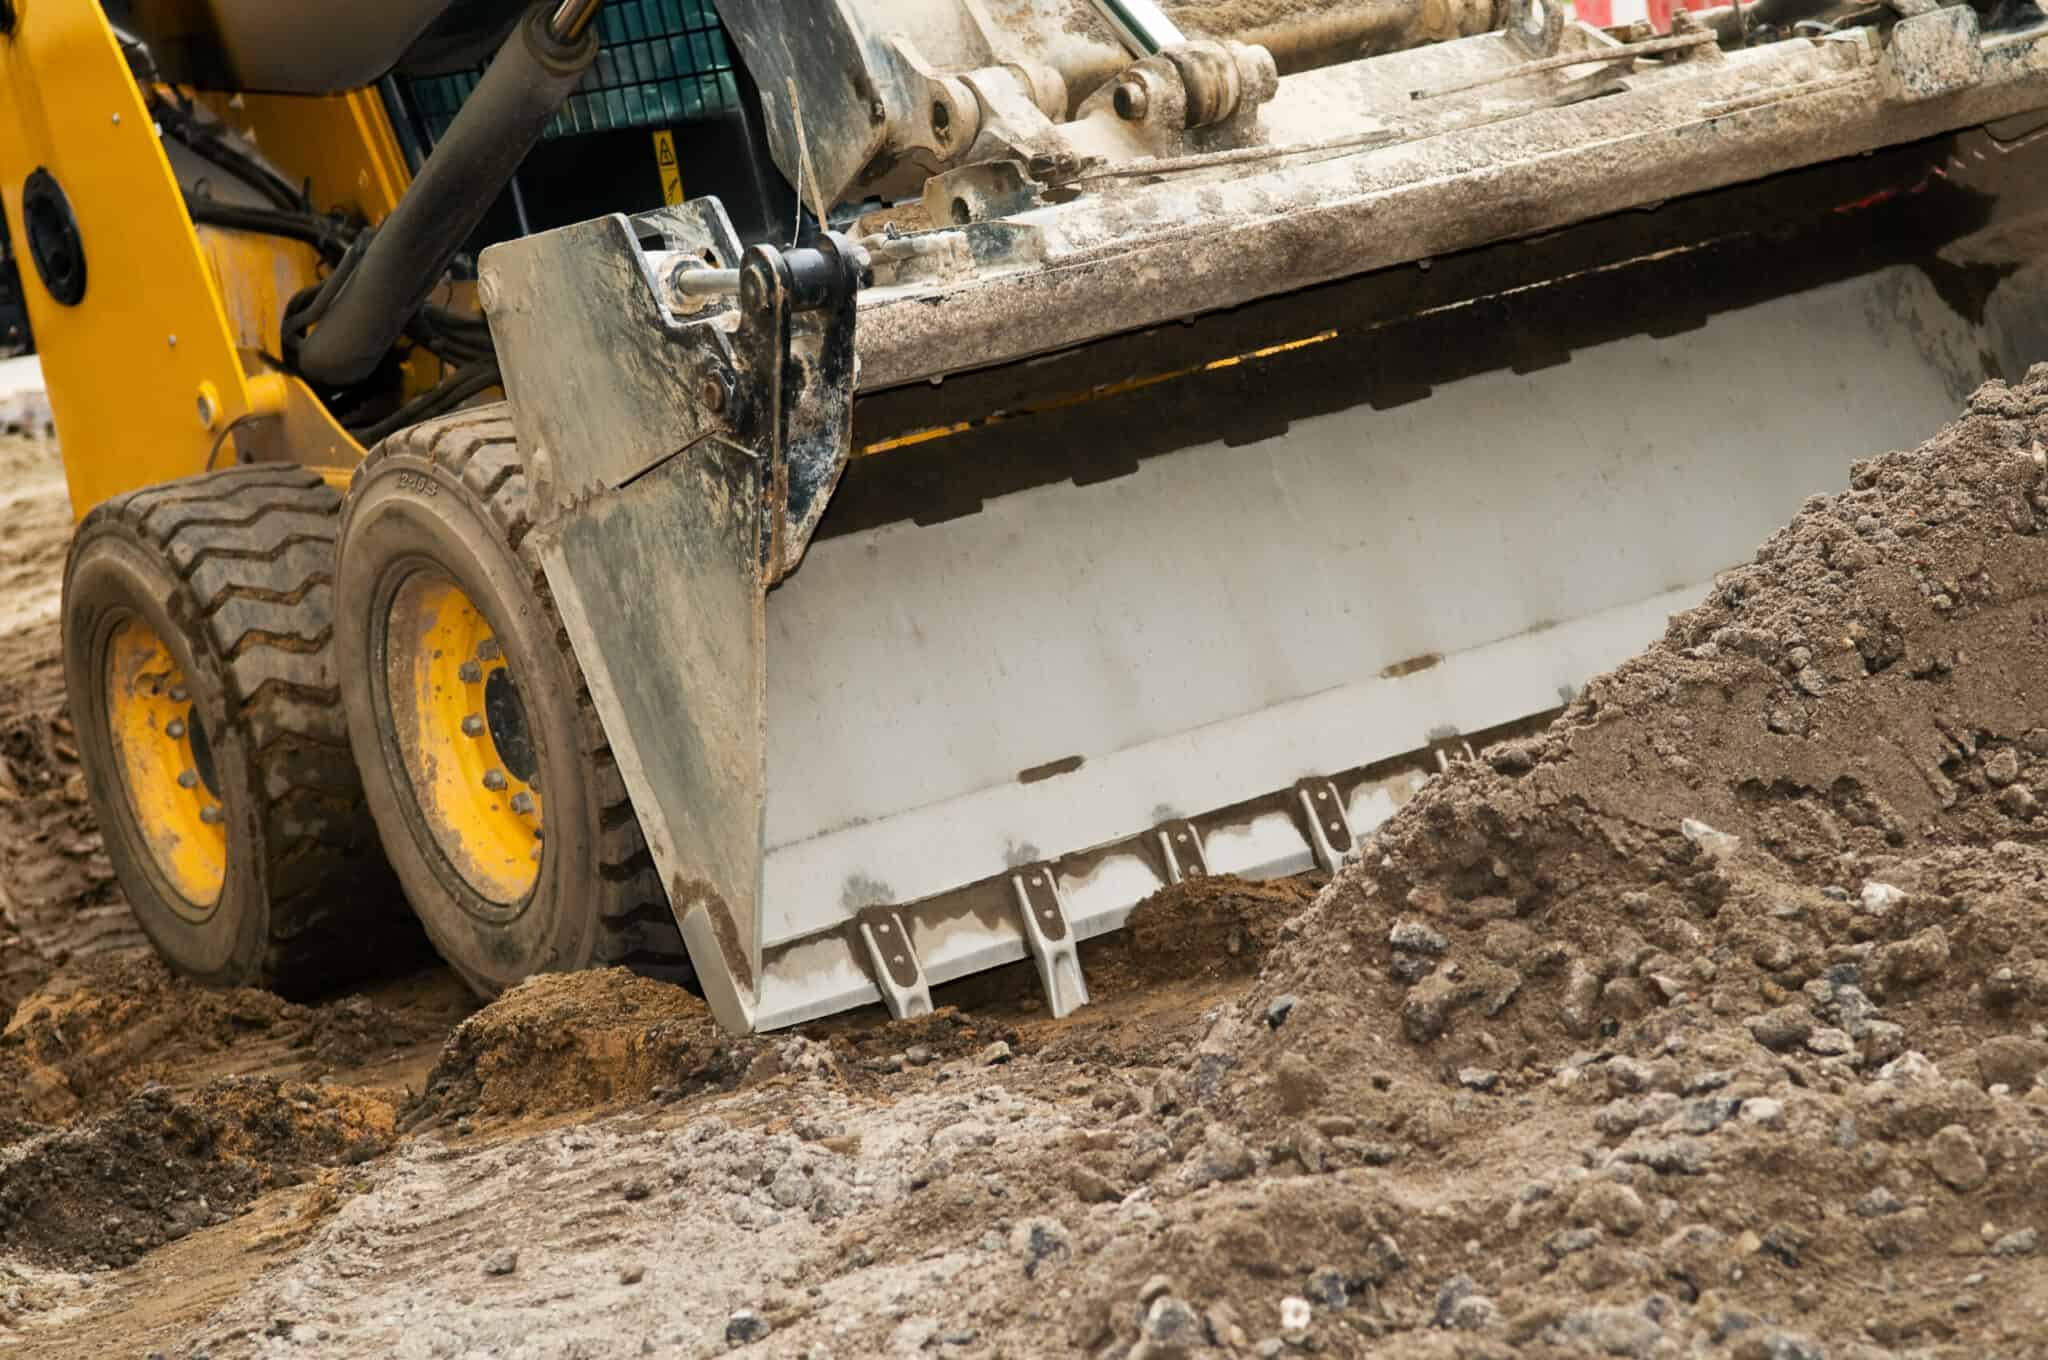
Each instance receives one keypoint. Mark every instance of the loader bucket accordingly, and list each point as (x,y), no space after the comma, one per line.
(1208,598)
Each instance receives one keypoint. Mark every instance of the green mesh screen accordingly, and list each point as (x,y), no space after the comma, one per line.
(659,62)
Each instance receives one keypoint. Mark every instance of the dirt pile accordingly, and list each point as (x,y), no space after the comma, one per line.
(163,1165)
(1710,1017)
(106,1026)
(567,1042)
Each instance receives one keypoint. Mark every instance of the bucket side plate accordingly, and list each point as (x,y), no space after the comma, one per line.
(658,585)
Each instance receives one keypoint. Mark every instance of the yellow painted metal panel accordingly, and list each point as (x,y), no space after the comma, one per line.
(342,143)
(256,275)
(125,367)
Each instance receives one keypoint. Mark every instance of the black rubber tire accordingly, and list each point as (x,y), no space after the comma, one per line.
(450,494)
(234,571)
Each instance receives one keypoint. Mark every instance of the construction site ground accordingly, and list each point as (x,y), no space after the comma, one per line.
(1707,1022)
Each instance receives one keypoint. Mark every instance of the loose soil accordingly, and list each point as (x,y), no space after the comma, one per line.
(1710,1021)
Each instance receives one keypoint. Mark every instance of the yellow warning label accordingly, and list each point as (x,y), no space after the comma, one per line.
(671,173)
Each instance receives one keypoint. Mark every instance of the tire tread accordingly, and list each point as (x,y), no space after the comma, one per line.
(255,549)
(479,450)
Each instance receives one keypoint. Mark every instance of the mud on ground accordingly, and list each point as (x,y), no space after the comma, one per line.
(1711,1021)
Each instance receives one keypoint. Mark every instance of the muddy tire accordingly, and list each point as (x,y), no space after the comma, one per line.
(483,759)
(197,624)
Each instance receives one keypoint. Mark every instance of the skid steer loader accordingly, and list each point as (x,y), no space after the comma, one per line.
(828,498)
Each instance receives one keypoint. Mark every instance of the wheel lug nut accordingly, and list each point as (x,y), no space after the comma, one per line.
(472,726)
(178,694)
(489,650)
(522,803)
(212,816)
(175,730)
(494,780)
(188,779)
(470,672)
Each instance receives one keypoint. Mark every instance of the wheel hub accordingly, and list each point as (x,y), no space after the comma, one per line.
(165,764)
(463,736)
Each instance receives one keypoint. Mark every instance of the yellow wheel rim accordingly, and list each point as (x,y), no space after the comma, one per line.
(165,765)
(463,736)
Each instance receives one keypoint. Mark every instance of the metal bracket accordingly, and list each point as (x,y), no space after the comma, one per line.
(1325,822)
(1535,26)
(898,973)
(1936,52)
(796,409)
(1180,844)
(1051,938)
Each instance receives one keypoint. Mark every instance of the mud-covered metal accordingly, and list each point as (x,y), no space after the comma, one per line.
(681,460)
(1160,621)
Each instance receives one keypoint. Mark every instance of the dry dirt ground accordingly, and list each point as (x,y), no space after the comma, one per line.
(1709,1022)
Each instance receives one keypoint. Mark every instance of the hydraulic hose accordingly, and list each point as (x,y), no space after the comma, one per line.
(533,73)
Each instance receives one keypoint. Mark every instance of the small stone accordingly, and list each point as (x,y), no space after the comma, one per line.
(1512,757)
(1879,898)
(1172,1328)
(1830,1043)
(1222,1156)
(1478,1078)
(1715,845)
(1042,1243)
(1912,1068)
(1091,1187)
(632,1274)
(1878,1202)
(1626,1075)
(1882,1041)
(1474,1313)
(2018,801)
(1618,1118)
(1614,1331)
(1679,1156)
(745,1326)
(917,1055)
(501,1262)
(1570,1241)
(636,1190)
(1270,1348)
(1785,1028)
(1153,1288)
(2021,1243)
(1917,959)
(996,1053)
(1326,1289)
(1953,1157)
(2011,1060)
(1301,1083)
(1705,1116)
(1456,1288)
(1612,1205)
(1295,1314)
(1416,938)
(1777,1345)
(1279,1008)
(1764,1111)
